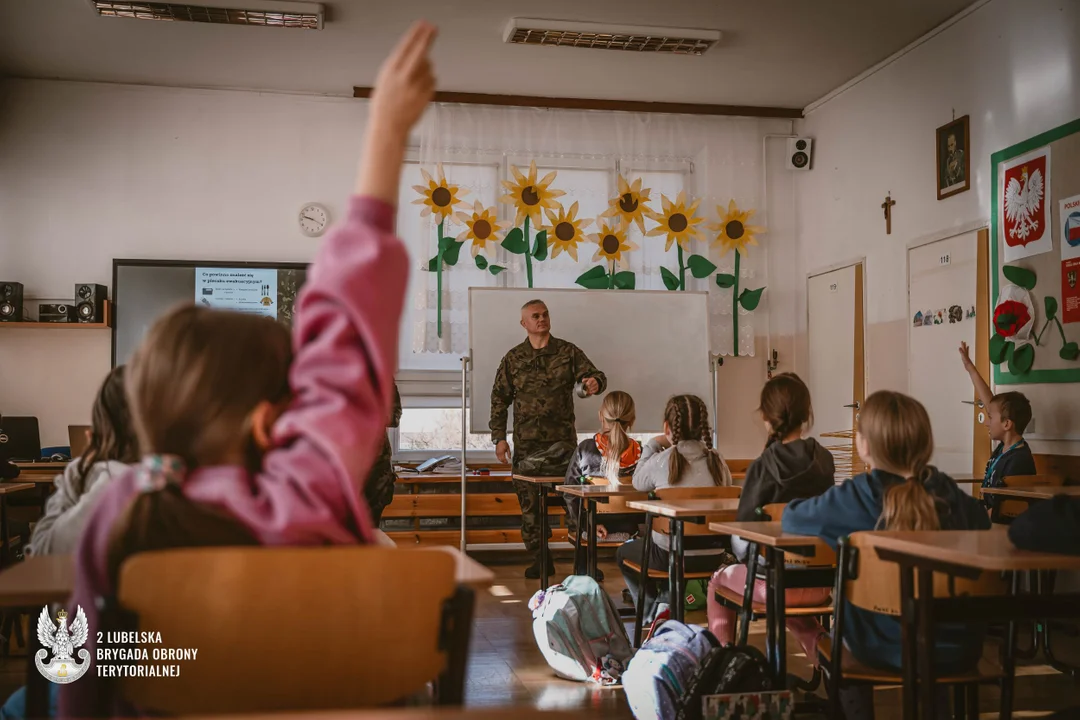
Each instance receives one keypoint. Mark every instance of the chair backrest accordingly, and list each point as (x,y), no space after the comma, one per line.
(876,583)
(716,492)
(615,505)
(289,628)
(1013,508)
(772,512)
(823,556)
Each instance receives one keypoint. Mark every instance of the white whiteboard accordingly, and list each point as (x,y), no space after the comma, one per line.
(659,348)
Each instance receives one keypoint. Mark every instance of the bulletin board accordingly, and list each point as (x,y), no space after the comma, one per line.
(1035,226)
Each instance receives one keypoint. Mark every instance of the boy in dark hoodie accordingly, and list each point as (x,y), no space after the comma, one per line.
(902,492)
(1049,526)
(791,467)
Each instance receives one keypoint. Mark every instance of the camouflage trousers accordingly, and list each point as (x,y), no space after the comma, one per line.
(540,458)
(379,488)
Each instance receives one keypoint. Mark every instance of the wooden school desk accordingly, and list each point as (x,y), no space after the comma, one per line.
(1035,492)
(776,542)
(543,486)
(590,495)
(679,512)
(7,489)
(434,713)
(967,554)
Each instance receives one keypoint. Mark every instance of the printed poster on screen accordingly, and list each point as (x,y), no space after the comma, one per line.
(1025,205)
(1069,219)
(246,290)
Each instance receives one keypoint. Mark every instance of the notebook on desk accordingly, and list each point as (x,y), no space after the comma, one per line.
(78,438)
(20,440)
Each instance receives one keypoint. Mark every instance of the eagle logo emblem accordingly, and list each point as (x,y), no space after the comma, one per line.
(62,642)
(1024,202)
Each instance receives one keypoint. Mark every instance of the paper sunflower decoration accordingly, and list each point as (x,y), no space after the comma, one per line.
(630,204)
(734,235)
(438,197)
(529,198)
(612,247)
(482,227)
(679,222)
(565,231)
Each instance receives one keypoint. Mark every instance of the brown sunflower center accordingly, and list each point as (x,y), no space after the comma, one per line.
(564,231)
(440,196)
(481,229)
(627,203)
(529,195)
(610,244)
(677,222)
(734,229)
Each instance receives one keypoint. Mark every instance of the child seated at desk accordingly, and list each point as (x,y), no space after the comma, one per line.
(902,492)
(1007,416)
(790,468)
(248,436)
(1049,526)
(611,454)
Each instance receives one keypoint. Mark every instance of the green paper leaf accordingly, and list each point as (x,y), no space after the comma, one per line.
(625,280)
(671,280)
(450,254)
(725,280)
(1022,359)
(1019,276)
(433,264)
(515,242)
(749,299)
(481,262)
(446,241)
(997,349)
(1051,305)
(495,269)
(1004,321)
(1070,351)
(595,278)
(540,248)
(700,267)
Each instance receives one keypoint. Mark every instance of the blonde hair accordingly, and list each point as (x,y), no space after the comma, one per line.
(618,414)
(897,432)
(197,376)
(688,419)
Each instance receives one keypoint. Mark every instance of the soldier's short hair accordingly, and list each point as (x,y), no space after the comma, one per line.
(533,302)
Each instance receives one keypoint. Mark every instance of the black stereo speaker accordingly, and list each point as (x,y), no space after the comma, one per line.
(56,312)
(90,302)
(11,301)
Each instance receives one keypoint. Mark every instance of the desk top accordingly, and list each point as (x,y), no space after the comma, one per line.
(468,571)
(38,580)
(765,533)
(10,487)
(602,491)
(1036,492)
(687,508)
(50,466)
(540,480)
(980,549)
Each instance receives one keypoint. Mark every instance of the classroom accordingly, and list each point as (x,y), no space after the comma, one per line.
(467,361)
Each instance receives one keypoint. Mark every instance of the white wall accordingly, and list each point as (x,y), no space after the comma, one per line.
(1014,67)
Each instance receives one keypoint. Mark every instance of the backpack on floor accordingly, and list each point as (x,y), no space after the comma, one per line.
(680,664)
(696,594)
(578,629)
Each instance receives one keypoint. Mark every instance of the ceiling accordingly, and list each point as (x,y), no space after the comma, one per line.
(784,53)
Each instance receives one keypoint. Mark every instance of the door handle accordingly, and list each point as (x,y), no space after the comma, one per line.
(973,402)
(853,405)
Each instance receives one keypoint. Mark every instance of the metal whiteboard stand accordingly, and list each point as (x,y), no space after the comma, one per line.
(715,361)
(464,443)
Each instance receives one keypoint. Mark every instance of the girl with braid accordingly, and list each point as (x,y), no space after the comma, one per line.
(682,457)
(790,468)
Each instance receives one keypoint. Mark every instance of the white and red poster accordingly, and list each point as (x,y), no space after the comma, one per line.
(1070,290)
(1069,219)
(1025,205)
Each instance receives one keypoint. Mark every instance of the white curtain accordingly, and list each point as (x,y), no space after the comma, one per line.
(713,160)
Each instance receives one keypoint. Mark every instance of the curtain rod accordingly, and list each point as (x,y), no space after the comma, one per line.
(563,103)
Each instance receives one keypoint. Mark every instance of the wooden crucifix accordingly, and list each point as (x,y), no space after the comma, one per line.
(887,207)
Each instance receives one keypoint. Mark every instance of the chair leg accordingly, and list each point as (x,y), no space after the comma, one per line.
(456,631)
(959,693)
(973,701)
(748,595)
(639,614)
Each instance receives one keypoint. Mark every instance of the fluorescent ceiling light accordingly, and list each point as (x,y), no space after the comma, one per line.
(566,33)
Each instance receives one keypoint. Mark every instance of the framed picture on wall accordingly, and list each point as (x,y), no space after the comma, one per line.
(953,158)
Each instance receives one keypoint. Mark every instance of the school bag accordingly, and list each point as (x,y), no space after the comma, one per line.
(680,664)
(579,631)
(696,594)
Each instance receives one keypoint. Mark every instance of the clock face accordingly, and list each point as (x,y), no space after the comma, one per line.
(313,219)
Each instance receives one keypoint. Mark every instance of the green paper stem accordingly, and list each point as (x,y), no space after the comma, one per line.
(438,272)
(1039,335)
(1062,331)
(611,275)
(735,306)
(682,268)
(528,254)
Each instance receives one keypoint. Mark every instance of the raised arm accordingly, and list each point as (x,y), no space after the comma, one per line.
(981,388)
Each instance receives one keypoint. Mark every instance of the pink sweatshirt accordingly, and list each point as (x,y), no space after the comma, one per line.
(310,489)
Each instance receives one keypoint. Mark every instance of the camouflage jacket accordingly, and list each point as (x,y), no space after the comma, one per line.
(385,461)
(540,384)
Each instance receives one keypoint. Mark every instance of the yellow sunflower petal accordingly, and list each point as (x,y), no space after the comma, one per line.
(572,250)
(427,176)
(532,173)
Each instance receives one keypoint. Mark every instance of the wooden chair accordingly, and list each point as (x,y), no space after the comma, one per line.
(873,584)
(614,506)
(1005,510)
(289,629)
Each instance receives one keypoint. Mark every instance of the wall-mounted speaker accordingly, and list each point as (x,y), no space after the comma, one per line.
(798,153)
(11,301)
(90,302)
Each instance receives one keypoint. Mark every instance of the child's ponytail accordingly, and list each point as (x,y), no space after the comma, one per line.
(618,414)
(785,405)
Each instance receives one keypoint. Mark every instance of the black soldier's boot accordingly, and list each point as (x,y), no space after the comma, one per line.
(533,571)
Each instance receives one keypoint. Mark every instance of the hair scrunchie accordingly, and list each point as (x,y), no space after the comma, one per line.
(156,472)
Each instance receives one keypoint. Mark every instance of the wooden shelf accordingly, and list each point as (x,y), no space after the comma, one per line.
(30,325)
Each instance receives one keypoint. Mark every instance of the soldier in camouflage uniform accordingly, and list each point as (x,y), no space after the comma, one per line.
(537,377)
(379,488)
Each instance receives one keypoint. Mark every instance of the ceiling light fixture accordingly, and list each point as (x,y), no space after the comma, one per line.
(262,13)
(565,33)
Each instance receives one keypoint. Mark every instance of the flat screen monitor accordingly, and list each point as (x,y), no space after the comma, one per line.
(144,290)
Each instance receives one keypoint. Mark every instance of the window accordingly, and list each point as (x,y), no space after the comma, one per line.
(434,430)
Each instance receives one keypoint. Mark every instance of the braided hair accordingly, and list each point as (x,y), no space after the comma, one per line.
(785,405)
(688,419)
